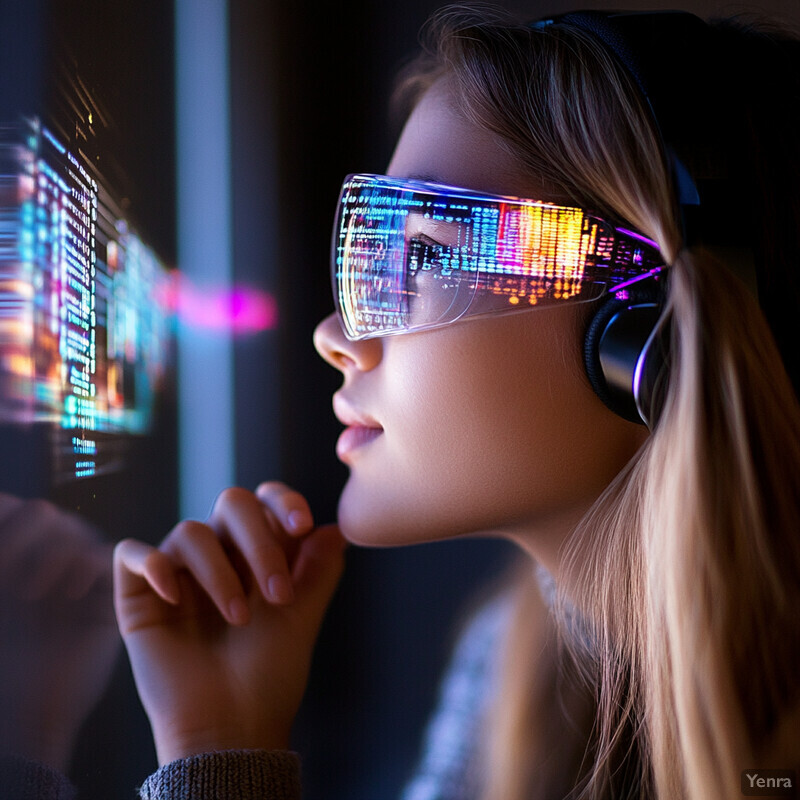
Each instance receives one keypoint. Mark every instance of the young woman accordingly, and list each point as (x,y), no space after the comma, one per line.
(649,645)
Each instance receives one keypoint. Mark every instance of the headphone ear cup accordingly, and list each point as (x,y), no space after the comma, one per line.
(625,353)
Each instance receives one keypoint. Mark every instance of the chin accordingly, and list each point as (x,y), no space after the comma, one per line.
(366,524)
(382,519)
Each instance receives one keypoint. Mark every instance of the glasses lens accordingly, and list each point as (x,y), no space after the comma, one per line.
(409,256)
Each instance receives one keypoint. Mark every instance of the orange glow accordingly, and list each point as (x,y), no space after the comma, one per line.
(545,242)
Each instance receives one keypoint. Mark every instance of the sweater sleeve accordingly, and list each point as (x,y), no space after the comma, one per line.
(227,775)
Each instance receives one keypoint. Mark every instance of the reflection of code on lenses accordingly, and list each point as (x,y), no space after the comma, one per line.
(487,254)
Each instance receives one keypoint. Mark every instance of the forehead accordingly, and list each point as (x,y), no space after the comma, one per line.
(439,144)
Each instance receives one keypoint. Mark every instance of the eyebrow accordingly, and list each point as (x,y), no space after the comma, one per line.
(429,240)
(424,228)
(426,177)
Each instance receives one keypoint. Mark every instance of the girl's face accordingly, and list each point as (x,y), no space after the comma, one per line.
(485,426)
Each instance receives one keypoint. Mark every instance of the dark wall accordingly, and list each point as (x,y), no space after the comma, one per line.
(123,53)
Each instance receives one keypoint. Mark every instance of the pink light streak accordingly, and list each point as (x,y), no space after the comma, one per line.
(240,310)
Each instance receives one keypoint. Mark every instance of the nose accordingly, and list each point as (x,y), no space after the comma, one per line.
(340,352)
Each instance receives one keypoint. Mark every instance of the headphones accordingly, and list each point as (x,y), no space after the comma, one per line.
(677,63)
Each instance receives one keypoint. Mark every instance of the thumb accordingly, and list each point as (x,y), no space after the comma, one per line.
(317,569)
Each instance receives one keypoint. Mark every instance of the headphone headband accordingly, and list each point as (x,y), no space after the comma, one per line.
(681,68)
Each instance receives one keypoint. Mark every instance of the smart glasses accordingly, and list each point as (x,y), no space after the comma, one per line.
(409,255)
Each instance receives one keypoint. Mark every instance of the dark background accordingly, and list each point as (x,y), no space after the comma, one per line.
(309,89)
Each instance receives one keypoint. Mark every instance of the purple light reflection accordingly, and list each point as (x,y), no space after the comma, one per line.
(241,310)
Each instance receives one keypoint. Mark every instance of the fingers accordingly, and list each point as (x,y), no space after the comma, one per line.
(289,507)
(136,563)
(145,584)
(319,564)
(317,571)
(244,546)
(260,539)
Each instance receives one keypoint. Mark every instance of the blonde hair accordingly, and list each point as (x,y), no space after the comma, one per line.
(687,569)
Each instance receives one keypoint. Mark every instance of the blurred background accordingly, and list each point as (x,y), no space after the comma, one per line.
(155,346)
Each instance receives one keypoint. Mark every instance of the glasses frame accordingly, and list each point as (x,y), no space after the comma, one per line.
(623,257)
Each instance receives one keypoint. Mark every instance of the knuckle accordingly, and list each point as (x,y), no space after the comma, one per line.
(278,496)
(272,489)
(122,548)
(230,497)
(125,544)
(190,530)
(294,498)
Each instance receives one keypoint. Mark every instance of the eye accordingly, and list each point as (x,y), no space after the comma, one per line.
(424,253)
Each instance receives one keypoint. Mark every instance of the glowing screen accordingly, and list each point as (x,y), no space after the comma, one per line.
(409,255)
(84,337)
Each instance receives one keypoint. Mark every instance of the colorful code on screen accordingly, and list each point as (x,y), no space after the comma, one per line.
(84,336)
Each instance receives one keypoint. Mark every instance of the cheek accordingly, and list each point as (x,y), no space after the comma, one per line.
(494,396)
(491,424)
(413,486)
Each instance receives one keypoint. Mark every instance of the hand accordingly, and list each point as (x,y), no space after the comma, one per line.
(58,641)
(220,620)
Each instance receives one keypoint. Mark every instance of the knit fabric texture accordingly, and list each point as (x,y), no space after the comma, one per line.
(227,775)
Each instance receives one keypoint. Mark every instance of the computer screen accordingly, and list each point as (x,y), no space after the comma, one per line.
(87,353)
(85,331)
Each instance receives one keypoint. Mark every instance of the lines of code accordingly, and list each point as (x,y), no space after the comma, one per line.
(411,255)
(83,332)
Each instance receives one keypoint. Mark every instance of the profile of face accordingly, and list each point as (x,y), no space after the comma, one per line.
(484,426)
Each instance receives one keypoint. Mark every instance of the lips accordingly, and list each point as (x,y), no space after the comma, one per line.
(360,428)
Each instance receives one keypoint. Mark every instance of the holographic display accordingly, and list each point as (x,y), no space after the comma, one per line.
(84,337)
(411,255)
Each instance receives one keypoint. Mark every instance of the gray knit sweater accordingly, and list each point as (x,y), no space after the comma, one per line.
(229,775)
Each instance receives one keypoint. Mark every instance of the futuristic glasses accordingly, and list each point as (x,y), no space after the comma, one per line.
(409,255)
